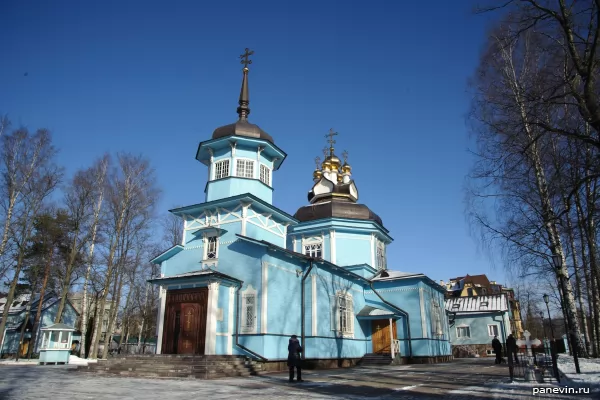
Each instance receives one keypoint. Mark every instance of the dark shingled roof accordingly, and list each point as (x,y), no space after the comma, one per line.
(242,128)
(336,209)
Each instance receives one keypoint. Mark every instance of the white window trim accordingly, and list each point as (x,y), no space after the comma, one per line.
(260,167)
(335,314)
(205,247)
(312,241)
(245,160)
(245,328)
(463,337)
(222,161)
(493,334)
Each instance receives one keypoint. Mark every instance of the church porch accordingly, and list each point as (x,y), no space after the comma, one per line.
(196,313)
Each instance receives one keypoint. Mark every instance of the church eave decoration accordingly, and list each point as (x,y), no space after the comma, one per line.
(260,205)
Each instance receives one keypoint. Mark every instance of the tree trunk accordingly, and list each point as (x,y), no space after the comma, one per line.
(11,293)
(7,222)
(578,282)
(67,278)
(114,310)
(590,285)
(38,314)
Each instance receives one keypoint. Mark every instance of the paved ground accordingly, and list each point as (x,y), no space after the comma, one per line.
(462,379)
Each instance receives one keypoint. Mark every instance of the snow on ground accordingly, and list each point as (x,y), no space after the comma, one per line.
(590,372)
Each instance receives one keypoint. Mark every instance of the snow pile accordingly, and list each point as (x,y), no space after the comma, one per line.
(590,372)
(74,360)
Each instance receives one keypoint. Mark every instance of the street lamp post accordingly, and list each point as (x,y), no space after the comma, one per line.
(557,260)
(547,301)
(543,327)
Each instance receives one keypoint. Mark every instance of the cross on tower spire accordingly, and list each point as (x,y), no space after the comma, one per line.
(345,156)
(318,161)
(330,135)
(245,56)
(243,110)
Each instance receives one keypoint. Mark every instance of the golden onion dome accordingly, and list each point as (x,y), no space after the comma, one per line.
(317,174)
(326,164)
(339,178)
(346,168)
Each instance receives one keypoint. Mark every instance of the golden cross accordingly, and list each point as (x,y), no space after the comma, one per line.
(325,152)
(188,319)
(245,56)
(318,161)
(330,135)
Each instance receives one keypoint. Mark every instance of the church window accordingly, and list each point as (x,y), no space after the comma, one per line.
(265,173)
(380,255)
(493,330)
(343,314)
(245,168)
(463,332)
(249,311)
(221,169)
(314,250)
(212,245)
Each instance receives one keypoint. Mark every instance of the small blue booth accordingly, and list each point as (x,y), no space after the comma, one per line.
(56,344)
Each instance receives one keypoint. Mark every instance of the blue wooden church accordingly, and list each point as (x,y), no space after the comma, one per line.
(248,275)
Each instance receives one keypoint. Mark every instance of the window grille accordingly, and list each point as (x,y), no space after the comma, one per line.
(245,168)
(265,174)
(211,247)
(221,169)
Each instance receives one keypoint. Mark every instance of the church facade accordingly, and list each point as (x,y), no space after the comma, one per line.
(248,275)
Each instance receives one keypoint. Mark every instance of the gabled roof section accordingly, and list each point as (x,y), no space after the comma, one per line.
(205,273)
(389,275)
(260,205)
(303,257)
(58,327)
(165,255)
(477,304)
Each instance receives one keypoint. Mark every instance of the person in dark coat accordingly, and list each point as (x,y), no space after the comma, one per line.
(497,346)
(294,360)
(511,348)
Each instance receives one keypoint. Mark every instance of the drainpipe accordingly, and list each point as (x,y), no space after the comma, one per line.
(401,311)
(302,333)
(237,326)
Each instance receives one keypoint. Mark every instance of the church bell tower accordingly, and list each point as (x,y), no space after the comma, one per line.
(240,157)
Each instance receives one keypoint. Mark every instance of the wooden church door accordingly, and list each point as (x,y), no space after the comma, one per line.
(185,321)
(380,335)
(188,329)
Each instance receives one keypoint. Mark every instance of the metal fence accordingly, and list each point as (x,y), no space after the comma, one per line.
(538,365)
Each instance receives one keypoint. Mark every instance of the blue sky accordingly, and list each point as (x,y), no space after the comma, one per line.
(158,77)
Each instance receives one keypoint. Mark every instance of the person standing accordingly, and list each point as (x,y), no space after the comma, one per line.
(497,346)
(294,360)
(511,348)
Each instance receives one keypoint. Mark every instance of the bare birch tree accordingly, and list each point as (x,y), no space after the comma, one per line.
(132,195)
(29,177)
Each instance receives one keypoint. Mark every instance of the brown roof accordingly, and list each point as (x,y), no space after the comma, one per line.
(475,279)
